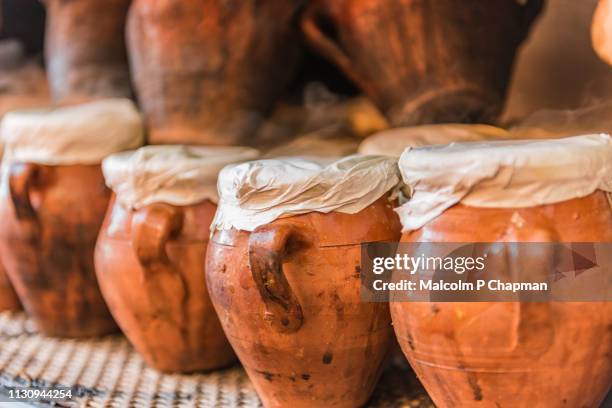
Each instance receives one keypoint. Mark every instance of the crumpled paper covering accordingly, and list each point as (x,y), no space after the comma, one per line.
(503,174)
(78,134)
(258,192)
(172,174)
(393,142)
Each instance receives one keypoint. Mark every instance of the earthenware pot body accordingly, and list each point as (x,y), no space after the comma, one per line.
(51,216)
(288,298)
(550,355)
(85,49)
(207,71)
(424,61)
(8,297)
(150,265)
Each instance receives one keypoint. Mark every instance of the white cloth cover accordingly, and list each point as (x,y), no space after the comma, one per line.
(79,134)
(503,174)
(177,175)
(393,142)
(259,192)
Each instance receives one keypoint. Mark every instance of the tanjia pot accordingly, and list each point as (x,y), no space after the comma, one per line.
(519,354)
(207,71)
(52,206)
(393,142)
(283,271)
(151,249)
(424,61)
(85,49)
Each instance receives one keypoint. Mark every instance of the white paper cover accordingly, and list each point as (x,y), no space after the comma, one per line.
(503,174)
(172,174)
(79,134)
(259,192)
(393,142)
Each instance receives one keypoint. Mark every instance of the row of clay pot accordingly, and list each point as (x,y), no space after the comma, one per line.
(208,71)
(278,283)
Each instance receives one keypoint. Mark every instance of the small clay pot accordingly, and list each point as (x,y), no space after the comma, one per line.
(424,61)
(288,297)
(50,221)
(512,354)
(85,49)
(208,71)
(150,265)
(8,297)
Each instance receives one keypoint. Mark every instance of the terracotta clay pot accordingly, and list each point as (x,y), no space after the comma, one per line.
(8,297)
(150,265)
(288,297)
(51,216)
(424,61)
(207,71)
(512,354)
(85,49)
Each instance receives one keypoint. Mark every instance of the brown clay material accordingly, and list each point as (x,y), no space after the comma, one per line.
(50,221)
(288,297)
(424,61)
(512,354)
(8,297)
(85,49)
(150,265)
(207,71)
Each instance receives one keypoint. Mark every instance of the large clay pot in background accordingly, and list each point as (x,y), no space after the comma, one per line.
(521,354)
(150,265)
(208,71)
(85,49)
(424,61)
(47,239)
(288,297)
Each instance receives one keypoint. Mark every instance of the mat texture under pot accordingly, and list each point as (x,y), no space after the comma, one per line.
(107,372)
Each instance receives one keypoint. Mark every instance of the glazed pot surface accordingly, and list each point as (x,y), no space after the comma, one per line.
(550,355)
(301,330)
(51,217)
(150,265)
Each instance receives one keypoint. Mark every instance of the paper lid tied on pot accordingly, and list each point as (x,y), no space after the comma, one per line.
(393,142)
(259,192)
(503,174)
(78,134)
(171,174)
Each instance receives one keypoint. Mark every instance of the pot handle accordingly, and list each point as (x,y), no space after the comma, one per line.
(152,227)
(21,178)
(535,330)
(268,246)
(310,21)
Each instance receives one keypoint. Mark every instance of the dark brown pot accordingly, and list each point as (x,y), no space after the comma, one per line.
(50,221)
(150,265)
(511,354)
(424,61)
(288,297)
(207,71)
(85,49)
